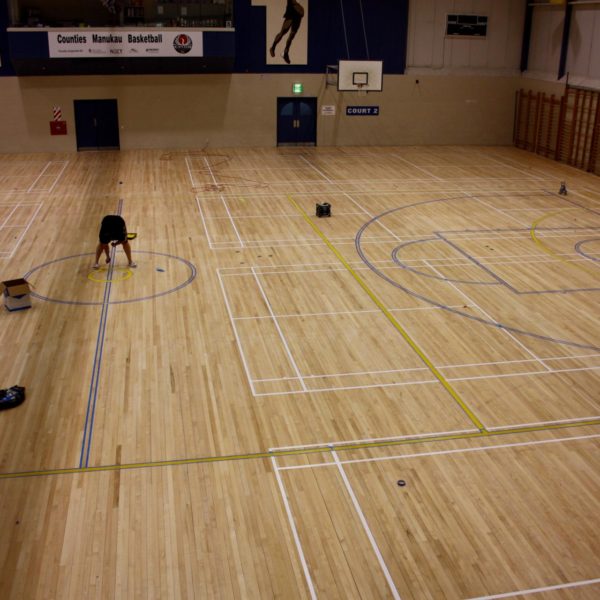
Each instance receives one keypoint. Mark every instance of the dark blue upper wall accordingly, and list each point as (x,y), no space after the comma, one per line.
(385,28)
(6,67)
(374,29)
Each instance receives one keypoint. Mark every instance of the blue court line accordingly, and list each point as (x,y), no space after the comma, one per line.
(94,383)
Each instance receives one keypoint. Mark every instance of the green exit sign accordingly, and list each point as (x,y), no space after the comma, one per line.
(297,88)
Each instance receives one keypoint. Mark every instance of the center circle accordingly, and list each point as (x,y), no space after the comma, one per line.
(184,270)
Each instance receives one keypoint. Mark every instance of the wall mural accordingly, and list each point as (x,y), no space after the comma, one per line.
(287,31)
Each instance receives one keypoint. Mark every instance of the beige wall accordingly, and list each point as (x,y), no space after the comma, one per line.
(240,110)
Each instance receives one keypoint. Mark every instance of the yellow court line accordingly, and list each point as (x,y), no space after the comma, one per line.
(393,321)
(546,248)
(301,451)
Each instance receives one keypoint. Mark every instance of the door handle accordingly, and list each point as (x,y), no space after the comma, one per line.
(95,122)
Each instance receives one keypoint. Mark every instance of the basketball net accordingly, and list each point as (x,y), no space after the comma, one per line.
(362,92)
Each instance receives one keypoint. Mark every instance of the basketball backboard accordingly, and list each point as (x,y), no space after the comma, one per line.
(360,75)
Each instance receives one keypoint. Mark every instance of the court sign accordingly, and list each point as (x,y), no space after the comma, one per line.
(111,43)
(362,111)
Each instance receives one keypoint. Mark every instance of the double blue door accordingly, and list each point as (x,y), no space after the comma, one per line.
(296,121)
(97,124)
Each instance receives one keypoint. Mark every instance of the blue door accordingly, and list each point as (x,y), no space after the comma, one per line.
(97,124)
(296,121)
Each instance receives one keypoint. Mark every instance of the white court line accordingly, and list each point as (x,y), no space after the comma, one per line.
(556,422)
(187,164)
(295,535)
(342,312)
(24,232)
(526,374)
(529,174)
(395,438)
(235,333)
(442,452)
(454,236)
(283,215)
(276,322)
(30,188)
(441,367)
(327,375)
(58,176)
(499,210)
(235,229)
(332,266)
(345,388)
(427,381)
(210,243)
(419,168)
(489,317)
(561,586)
(366,527)
(12,212)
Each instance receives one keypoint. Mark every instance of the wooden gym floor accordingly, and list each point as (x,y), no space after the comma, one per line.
(399,401)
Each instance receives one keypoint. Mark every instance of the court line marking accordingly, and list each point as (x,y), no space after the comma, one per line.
(489,236)
(486,314)
(423,382)
(473,418)
(235,333)
(235,229)
(244,271)
(97,364)
(190,174)
(303,451)
(538,192)
(30,188)
(208,236)
(10,214)
(442,452)
(554,422)
(453,366)
(390,439)
(341,312)
(24,232)
(366,527)
(549,250)
(58,176)
(538,590)
(277,326)
(292,524)
(364,210)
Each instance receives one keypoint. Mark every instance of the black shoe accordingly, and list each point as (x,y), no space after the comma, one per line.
(286,57)
(272,50)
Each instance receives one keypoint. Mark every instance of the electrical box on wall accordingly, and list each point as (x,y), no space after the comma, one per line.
(466,25)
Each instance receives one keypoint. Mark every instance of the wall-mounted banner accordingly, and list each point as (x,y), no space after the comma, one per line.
(135,43)
(287,31)
(362,111)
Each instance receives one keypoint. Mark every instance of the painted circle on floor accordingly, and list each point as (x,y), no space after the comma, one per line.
(377,219)
(67,280)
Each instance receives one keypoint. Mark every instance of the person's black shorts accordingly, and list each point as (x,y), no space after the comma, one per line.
(113,229)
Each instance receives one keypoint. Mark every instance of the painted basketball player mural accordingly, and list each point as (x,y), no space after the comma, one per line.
(292,19)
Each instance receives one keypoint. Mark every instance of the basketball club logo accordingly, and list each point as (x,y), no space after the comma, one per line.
(182,43)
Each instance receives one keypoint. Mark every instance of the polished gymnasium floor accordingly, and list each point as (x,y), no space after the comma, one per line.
(399,401)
